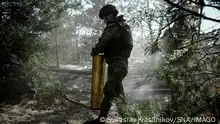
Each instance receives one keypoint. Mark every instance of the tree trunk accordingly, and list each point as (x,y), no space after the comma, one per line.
(57,48)
(78,51)
(149,21)
(200,22)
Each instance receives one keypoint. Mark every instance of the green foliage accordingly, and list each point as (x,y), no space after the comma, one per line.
(49,90)
(191,81)
(176,31)
(25,27)
(138,111)
(46,87)
(188,67)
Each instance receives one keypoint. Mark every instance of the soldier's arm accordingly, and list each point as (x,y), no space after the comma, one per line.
(106,37)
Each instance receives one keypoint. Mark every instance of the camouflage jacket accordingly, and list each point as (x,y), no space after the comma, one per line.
(116,40)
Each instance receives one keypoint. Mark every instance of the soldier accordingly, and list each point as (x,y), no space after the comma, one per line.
(116,43)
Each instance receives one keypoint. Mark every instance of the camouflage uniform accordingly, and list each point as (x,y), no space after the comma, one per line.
(116,43)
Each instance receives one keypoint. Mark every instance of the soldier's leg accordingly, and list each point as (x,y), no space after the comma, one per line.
(122,73)
(113,87)
(106,103)
(114,90)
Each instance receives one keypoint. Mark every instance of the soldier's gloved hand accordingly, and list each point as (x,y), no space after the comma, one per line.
(94,52)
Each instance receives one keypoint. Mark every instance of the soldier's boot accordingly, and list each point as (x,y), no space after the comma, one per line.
(105,107)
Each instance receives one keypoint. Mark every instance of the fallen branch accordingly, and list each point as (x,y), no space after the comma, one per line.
(86,72)
(76,102)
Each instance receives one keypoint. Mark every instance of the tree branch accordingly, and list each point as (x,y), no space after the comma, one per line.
(174,20)
(205,5)
(192,12)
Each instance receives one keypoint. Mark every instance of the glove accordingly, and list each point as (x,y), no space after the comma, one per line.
(94,52)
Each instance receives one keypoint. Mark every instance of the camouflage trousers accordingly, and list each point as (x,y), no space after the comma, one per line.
(113,86)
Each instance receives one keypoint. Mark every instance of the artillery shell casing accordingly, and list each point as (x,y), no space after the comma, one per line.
(98,75)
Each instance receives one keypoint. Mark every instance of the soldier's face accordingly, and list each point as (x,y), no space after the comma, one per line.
(105,20)
(108,18)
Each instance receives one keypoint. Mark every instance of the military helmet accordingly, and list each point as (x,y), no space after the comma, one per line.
(108,9)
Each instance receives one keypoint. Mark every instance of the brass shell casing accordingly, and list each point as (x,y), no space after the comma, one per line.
(98,78)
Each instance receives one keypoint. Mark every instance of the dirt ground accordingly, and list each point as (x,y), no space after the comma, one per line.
(62,110)
(78,88)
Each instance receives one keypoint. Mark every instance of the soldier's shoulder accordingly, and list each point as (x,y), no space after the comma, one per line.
(117,25)
(124,25)
(112,25)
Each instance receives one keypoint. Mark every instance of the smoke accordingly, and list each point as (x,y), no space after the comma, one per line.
(141,82)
